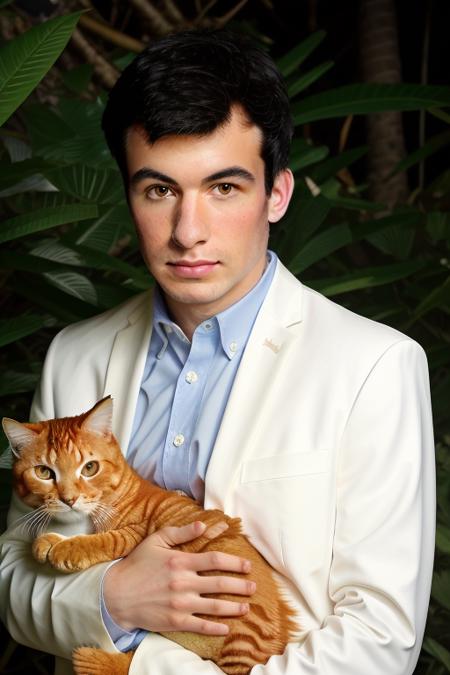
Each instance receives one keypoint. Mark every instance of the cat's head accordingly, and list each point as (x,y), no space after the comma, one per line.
(67,463)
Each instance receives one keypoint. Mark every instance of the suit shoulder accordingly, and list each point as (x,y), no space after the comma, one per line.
(104,325)
(343,326)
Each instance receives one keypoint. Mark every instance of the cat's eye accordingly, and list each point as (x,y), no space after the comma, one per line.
(90,469)
(43,472)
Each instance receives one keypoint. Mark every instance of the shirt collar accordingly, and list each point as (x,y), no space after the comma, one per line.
(234,323)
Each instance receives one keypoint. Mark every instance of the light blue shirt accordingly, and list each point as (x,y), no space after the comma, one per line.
(182,398)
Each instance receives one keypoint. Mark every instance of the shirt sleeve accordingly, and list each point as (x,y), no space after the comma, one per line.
(380,576)
(124,640)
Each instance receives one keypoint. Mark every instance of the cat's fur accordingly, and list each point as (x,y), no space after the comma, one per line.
(124,509)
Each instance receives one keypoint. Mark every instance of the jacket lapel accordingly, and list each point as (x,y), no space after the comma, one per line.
(277,324)
(126,366)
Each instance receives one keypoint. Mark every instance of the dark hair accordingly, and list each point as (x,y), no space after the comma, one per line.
(187,82)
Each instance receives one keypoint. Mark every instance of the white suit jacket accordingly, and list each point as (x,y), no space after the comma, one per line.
(325,452)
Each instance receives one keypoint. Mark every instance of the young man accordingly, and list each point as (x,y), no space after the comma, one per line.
(240,386)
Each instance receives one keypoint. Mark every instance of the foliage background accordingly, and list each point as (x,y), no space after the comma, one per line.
(373,235)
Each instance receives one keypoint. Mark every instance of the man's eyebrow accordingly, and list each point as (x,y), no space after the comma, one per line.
(146,172)
(229,172)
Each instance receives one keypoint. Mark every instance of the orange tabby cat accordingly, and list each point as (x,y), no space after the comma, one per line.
(124,509)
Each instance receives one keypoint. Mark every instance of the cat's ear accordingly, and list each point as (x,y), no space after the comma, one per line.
(19,435)
(99,418)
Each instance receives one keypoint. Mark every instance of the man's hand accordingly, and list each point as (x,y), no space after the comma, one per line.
(159,589)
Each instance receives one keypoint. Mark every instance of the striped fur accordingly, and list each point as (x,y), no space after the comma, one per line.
(125,509)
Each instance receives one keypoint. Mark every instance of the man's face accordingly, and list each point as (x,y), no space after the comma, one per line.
(202,214)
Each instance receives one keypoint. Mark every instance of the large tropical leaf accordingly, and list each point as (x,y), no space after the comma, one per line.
(44,219)
(366,278)
(303,154)
(429,148)
(15,328)
(438,651)
(305,81)
(25,60)
(103,186)
(356,99)
(291,61)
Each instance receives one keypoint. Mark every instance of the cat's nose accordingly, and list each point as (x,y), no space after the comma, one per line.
(70,501)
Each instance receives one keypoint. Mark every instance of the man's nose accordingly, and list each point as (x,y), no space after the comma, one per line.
(190,226)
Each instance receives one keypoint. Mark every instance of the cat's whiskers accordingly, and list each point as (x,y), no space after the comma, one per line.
(103,516)
(35,522)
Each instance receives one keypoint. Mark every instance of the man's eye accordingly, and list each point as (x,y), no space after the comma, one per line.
(43,472)
(225,188)
(157,191)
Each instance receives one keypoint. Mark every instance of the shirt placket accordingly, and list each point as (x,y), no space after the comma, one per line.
(189,392)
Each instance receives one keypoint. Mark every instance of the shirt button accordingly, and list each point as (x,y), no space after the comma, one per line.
(191,377)
(178,440)
(208,326)
(233,346)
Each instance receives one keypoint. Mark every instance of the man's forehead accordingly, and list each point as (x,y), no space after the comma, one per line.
(230,151)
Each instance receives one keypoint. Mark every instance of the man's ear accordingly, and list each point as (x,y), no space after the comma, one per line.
(283,187)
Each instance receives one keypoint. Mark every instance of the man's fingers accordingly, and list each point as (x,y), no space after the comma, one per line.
(194,624)
(171,536)
(225,586)
(215,530)
(215,560)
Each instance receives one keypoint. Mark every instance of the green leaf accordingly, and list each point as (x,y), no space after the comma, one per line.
(290,61)
(396,241)
(15,328)
(103,232)
(439,297)
(13,382)
(77,79)
(320,246)
(357,99)
(438,225)
(438,651)
(25,60)
(44,219)
(99,260)
(440,114)
(366,278)
(103,186)
(330,168)
(14,172)
(303,154)
(66,308)
(24,262)
(429,148)
(443,538)
(54,250)
(441,588)
(305,219)
(309,78)
(74,284)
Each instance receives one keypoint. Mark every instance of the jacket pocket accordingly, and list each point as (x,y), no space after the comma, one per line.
(285,466)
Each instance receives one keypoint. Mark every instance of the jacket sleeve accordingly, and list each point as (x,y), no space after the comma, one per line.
(380,576)
(41,607)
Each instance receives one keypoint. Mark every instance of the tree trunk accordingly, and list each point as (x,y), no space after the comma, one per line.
(380,60)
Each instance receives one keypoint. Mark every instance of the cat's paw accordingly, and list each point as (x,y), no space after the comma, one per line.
(90,661)
(43,545)
(68,556)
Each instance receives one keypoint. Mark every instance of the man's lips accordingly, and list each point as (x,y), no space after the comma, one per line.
(193,269)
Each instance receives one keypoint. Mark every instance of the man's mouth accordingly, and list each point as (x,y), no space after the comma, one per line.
(193,269)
